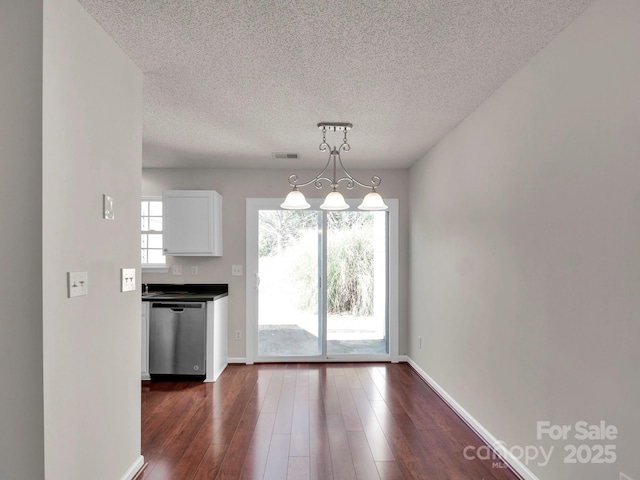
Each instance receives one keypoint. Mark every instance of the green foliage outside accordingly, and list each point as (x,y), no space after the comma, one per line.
(281,229)
(292,236)
(350,272)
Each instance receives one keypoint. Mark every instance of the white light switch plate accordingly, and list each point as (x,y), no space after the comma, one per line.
(127,279)
(77,284)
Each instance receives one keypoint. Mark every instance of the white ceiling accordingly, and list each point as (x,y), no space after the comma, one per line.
(229,82)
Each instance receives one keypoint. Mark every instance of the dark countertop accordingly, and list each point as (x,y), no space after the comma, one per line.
(191,292)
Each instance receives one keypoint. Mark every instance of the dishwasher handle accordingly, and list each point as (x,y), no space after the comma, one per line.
(178,307)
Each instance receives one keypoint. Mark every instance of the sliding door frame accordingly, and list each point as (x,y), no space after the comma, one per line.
(253,206)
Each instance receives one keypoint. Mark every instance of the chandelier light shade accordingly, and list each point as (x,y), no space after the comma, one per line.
(372,201)
(334,201)
(295,200)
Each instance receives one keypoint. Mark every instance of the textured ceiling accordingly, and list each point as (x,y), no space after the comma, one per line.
(228,82)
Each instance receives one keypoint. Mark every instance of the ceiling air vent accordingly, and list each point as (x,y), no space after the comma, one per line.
(285,156)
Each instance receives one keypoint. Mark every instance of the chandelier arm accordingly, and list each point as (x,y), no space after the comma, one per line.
(293,179)
(317,183)
(375,181)
(351,180)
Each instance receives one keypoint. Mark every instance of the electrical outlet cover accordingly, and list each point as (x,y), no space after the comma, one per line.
(236,270)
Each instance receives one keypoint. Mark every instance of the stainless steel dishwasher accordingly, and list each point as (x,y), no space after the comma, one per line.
(177,338)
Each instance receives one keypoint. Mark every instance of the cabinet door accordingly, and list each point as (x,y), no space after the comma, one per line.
(144,349)
(192,223)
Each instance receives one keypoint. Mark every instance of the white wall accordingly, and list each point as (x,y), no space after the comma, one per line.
(525,229)
(235,186)
(92,144)
(21,418)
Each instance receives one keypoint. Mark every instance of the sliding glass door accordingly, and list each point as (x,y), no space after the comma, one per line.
(356,286)
(321,284)
(289,246)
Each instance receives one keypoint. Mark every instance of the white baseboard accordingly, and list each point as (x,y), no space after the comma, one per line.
(133,469)
(237,359)
(476,426)
(216,375)
(360,358)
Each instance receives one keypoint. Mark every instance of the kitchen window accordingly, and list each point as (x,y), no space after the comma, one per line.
(152,257)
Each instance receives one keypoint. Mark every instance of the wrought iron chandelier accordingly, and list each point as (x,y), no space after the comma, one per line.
(334,201)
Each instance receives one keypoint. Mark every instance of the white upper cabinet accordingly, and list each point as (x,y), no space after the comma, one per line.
(192,223)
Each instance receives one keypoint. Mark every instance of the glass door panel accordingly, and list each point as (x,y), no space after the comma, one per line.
(289,245)
(356,283)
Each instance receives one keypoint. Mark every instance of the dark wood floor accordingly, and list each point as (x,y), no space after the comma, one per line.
(307,421)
